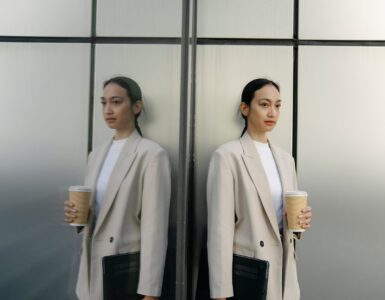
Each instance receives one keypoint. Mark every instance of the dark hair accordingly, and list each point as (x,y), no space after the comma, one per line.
(250,89)
(133,92)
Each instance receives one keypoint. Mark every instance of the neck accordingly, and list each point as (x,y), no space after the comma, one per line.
(123,133)
(258,136)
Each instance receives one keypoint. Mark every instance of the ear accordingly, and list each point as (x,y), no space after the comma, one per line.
(244,109)
(137,107)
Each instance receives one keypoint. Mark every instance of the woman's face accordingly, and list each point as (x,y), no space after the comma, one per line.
(118,111)
(263,112)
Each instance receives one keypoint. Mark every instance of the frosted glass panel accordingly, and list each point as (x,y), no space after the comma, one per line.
(45,17)
(44,99)
(342,19)
(156,68)
(341,164)
(220,80)
(245,18)
(144,18)
(222,72)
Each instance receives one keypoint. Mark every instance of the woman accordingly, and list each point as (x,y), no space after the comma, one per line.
(246,181)
(130,179)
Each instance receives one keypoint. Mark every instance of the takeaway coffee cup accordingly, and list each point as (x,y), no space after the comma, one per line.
(295,202)
(80,196)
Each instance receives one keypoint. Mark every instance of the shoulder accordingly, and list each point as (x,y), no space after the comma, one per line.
(229,148)
(229,153)
(148,145)
(151,149)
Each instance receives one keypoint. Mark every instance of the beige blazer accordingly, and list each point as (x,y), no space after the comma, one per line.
(133,216)
(242,218)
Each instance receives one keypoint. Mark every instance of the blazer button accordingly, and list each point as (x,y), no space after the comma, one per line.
(111,239)
(261,243)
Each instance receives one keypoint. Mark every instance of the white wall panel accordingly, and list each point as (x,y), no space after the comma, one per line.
(45,17)
(342,19)
(44,108)
(245,18)
(341,164)
(143,18)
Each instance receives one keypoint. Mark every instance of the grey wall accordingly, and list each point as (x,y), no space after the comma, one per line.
(332,117)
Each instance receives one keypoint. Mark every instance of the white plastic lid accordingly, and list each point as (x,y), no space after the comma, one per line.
(79,188)
(295,193)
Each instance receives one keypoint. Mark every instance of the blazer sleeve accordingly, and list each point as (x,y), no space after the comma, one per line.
(220,226)
(154,224)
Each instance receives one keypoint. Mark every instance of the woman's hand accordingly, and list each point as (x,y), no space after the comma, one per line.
(69,212)
(304,219)
(150,298)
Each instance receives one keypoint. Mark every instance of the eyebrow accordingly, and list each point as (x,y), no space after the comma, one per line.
(267,99)
(113,97)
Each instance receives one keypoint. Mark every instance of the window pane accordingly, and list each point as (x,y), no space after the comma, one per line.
(222,72)
(143,18)
(45,17)
(44,108)
(341,164)
(245,19)
(342,19)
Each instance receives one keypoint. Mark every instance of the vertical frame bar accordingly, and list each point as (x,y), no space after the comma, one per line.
(295,79)
(184,161)
(92,77)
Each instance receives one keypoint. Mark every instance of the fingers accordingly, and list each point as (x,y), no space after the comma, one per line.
(305,218)
(69,212)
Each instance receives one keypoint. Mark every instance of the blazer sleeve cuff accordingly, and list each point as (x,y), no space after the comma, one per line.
(147,290)
(221,292)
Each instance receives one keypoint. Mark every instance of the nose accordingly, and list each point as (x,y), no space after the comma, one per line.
(107,109)
(273,112)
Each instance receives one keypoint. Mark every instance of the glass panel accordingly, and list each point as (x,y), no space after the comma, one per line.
(341,164)
(342,19)
(220,80)
(156,68)
(45,17)
(245,19)
(44,108)
(143,18)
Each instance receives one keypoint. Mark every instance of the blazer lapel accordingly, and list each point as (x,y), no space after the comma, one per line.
(121,168)
(256,171)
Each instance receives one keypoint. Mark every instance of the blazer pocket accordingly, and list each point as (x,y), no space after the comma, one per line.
(243,251)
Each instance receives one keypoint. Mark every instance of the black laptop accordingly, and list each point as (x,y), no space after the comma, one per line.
(121,276)
(250,278)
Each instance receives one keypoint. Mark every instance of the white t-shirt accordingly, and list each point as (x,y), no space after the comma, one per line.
(105,173)
(273,178)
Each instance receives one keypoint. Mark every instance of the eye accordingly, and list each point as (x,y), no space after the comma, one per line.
(278,105)
(103,103)
(116,101)
(264,104)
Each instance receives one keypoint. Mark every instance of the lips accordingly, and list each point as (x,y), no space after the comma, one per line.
(269,122)
(110,120)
